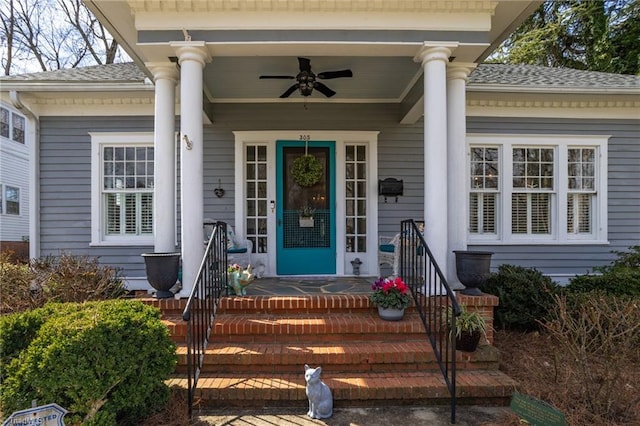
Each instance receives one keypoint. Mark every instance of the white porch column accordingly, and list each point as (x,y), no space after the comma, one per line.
(165,75)
(456,165)
(434,61)
(192,57)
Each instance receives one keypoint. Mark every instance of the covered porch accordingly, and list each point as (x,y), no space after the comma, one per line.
(376,89)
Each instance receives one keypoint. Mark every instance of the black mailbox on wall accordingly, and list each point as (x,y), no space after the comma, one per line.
(390,187)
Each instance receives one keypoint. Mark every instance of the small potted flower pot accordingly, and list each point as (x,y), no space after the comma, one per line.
(470,327)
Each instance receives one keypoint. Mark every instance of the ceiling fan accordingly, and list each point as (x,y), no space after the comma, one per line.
(306,80)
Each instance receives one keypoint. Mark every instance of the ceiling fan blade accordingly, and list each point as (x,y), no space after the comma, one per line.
(283,77)
(324,89)
(335,74)
(305,64)
(289,91)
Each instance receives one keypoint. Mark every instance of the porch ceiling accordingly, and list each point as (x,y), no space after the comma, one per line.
(260,37)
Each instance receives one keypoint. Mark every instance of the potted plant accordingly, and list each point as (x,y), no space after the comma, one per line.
(470,327)
(305,217)
(391,296)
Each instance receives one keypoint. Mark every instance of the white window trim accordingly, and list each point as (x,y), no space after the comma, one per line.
(98,140)
(560,144)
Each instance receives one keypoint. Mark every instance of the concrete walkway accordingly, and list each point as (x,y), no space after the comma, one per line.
(386,416)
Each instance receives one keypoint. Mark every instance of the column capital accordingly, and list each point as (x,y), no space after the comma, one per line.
(433,52)
(192,51)
(460,70)
(163,70)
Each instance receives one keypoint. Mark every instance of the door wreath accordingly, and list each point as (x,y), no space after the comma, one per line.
(306,170)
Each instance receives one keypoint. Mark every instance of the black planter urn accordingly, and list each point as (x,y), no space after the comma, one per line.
(468,341)
(473,269)
(162,272)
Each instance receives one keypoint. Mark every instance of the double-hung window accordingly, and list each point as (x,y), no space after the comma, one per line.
(10,201)
(537,189)
(12,125)
(123,177)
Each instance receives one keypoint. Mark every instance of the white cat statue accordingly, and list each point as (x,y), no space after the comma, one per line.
(319,394)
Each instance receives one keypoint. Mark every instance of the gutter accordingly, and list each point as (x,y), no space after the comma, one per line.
(31,86)
(34,175)
(510,88)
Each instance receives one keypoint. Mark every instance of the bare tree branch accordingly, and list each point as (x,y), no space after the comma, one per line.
(53,34)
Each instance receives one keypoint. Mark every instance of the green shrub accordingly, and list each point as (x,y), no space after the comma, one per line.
(105,362)
(620,278)
(526,297)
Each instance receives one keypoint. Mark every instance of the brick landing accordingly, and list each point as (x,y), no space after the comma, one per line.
(259,345)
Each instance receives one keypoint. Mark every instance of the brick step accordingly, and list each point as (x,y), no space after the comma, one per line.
(298,327)
(333,303)
(312,327)
(168,307)
(348,356)
(348,389)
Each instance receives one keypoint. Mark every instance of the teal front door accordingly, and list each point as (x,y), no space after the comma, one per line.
(305,212)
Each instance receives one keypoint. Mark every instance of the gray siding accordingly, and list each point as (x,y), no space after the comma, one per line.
(65,188)
(400,149)
(65,213)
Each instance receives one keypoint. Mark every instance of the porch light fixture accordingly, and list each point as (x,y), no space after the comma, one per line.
(186,140)
(307,82)
(219,191)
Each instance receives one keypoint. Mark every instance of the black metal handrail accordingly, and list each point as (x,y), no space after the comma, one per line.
(200,311)
(435,301)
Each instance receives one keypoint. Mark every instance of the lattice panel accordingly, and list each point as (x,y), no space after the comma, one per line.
(295,236)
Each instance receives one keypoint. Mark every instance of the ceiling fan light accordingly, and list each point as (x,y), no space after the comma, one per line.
(306,89)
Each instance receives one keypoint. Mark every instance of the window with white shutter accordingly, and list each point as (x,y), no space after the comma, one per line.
(123,181)
(537,189)
(483,198)
(581,177)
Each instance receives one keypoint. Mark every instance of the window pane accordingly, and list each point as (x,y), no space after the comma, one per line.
(18,128)
(349,189)
(130,214)
(4,122)
(473,212)
(262,189)
(540,214)
(262,207)
(489,213)
(251,153)
(519,213)
(349,169)
(12,200)
(112,202)
(146,213)
(251,190)
(350,153)
(262,153)
(579,216)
